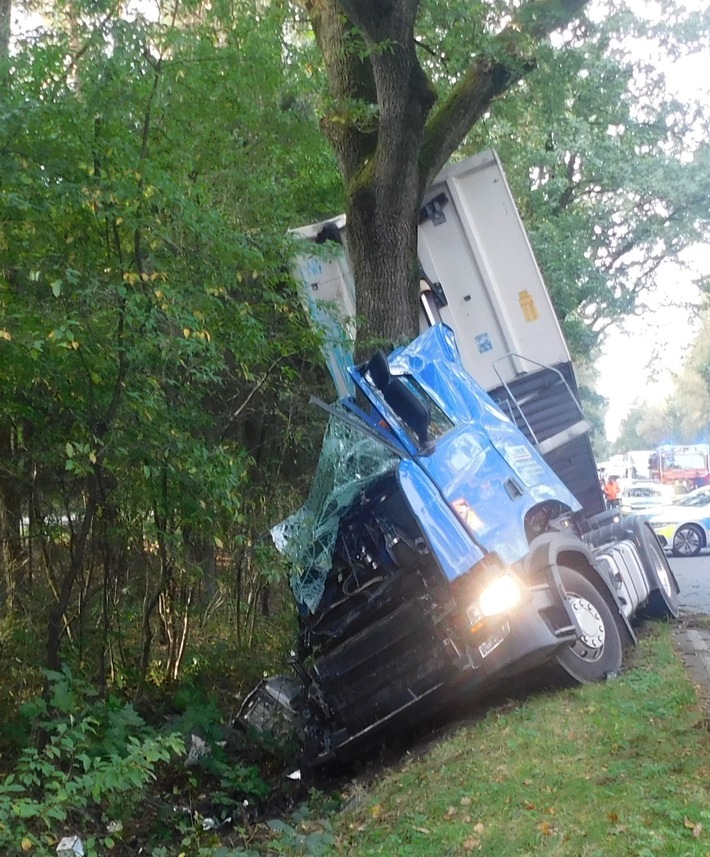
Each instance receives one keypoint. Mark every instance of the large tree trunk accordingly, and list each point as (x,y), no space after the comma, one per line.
(390,148)
(382,243)
(378,152)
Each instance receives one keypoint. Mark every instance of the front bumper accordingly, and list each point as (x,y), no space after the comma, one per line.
(665,533)
(461,664)
(526,637)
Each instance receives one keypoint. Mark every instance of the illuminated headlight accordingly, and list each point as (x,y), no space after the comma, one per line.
(500,595)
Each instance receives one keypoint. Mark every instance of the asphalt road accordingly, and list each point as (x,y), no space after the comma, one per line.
(693,575)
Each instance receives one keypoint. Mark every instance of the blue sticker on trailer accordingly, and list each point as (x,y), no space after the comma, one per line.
(483,343)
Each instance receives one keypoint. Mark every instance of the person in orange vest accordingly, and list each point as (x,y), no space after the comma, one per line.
(612,492)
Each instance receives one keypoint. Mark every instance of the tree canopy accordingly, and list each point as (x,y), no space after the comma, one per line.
(149,329)
(610,169)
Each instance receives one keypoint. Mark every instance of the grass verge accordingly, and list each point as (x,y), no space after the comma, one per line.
(621,768)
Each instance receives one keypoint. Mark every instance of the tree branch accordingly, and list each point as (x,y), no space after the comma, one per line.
(489,76)
(79,53)
(568,194)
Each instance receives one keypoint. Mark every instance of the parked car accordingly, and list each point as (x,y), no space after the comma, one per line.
(684,524)
(644,496)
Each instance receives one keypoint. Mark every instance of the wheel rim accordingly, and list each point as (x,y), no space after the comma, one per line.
(661,570)
(664,579)
(686,541)
(591,644)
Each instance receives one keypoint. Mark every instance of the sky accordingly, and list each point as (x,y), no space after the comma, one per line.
(641,355)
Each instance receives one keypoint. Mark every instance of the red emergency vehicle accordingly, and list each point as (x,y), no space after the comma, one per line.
(686,466)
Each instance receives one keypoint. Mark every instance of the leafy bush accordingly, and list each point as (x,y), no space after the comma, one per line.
(230,772)
(90,764)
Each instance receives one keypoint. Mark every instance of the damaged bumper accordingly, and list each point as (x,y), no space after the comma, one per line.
(408,665)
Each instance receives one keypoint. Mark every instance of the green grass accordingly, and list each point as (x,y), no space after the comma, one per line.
(621,768)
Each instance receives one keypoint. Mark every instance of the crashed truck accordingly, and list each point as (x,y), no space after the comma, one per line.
(455,536)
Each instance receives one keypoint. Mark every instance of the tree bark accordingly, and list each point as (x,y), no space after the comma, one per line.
(96,494)
(10,520)
(389,143)
(78,552)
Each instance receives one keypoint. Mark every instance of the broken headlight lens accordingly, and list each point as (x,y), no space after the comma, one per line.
(501,594)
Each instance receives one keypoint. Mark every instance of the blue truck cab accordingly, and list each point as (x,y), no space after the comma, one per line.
(454,536)
(438,554)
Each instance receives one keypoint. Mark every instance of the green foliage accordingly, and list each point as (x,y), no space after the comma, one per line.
(90,763)
(93,765)
(644,427)
(608,168)
(225,773)
(314,843)
(152,341)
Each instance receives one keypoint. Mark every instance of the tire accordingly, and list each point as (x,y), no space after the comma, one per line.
(688,540)
(663,601)
(599,652)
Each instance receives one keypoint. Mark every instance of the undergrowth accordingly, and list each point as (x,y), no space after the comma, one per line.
(613,770)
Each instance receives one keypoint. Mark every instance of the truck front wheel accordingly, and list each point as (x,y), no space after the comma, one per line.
(598,652)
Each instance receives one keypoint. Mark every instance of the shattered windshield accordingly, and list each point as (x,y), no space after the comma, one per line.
(349,462)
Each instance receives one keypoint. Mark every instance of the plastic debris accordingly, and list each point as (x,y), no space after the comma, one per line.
(70,846)
(198,748)
(213,823)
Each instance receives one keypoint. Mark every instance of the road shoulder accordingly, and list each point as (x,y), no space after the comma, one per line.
(691,639)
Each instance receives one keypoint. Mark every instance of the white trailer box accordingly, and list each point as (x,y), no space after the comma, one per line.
(472,241)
